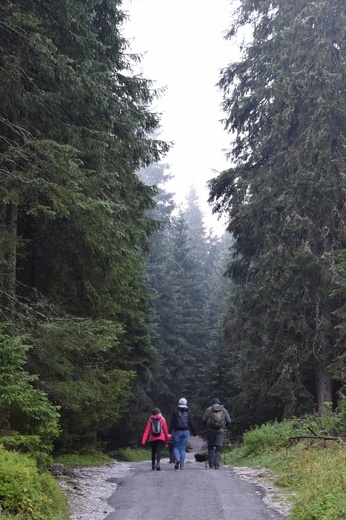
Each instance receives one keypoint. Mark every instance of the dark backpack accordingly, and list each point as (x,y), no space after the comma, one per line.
(156,427)
(182,420)
(217,418)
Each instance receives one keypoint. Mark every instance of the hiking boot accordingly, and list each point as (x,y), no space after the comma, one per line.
(211,465)
(158,466)
(216,466)
(176,465)
(182,467)
(153,466)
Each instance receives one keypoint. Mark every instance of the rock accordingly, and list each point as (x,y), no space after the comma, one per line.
(200,457)
(57,469)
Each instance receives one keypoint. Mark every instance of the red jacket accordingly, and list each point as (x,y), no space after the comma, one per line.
(147,432)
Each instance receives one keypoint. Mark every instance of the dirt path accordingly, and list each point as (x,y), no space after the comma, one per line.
(132,491)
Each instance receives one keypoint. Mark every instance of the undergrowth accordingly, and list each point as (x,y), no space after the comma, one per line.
(25,493)
(312,471)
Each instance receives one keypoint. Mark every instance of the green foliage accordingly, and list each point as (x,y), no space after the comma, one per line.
(31,445)
(178,301)
(320,475)
(132,455)
(340,415)
(87,370)
(219,378)
(268,436)
(331,423)
(312,474)
(275,435)
(284,197)
(86,459)
(331,506)
(26,494)
(96,459)
(73,212)
(185,272)
(24,410)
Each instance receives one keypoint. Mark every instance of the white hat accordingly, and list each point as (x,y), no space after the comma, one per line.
(183,402)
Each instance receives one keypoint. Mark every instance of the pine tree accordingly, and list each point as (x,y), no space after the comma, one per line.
(74,127)
(285,103)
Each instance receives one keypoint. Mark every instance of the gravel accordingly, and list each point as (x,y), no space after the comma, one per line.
(89,488)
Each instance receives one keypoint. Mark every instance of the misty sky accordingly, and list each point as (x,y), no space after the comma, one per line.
(183,50)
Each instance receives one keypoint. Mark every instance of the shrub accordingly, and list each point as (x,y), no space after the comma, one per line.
(27,494)
(341,415)
(25,411)
(268,436)
(313,470)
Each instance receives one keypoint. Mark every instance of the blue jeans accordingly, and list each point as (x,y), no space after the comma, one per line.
(180,441)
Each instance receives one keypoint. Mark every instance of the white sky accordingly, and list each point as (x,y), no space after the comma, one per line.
(183,50)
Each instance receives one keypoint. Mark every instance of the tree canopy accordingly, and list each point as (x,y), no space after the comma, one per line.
(75,128)
(285,198)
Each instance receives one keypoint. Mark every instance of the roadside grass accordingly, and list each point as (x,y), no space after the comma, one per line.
(312,471)
(91,459)
(136,455)
(97,459)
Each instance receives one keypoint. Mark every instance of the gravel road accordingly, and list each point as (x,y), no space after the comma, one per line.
(194,494)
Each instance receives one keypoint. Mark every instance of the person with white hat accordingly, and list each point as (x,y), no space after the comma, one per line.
(181,424)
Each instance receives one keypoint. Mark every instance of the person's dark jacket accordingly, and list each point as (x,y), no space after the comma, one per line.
(174,420)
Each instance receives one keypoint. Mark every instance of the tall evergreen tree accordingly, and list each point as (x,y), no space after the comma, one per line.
(74,130)
(187,292)
(218,306)
(157,379)
(179,304)
(157,176)
(195,225)
(285,196)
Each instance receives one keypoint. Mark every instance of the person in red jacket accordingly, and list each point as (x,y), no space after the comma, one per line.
(157,432)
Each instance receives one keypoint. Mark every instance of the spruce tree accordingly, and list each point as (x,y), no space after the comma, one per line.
(285,197)
(74,130)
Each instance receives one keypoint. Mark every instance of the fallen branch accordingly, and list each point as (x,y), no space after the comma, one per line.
(323,437)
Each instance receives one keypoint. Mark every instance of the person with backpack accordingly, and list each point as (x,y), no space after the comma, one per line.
(181,424)
(216,419)
(157,432)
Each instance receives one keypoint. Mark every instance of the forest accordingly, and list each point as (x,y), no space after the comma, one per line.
(112,299)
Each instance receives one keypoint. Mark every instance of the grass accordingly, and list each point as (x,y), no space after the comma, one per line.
(93,459)
(97,459)
(312,472)
(136,455)
(318,475)
(132,455)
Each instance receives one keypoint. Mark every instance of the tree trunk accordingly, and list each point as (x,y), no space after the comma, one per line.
(8,255)
(323,387)
(322,352)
